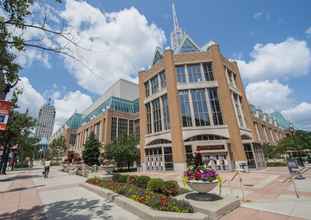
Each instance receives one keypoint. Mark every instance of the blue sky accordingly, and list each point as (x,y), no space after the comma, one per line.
(281,27)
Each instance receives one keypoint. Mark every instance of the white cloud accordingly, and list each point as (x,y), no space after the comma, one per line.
(113,44)
(308,31)
(269,95)
(289,58)
(258,15)
(66,106)
(300,115)
(30,99)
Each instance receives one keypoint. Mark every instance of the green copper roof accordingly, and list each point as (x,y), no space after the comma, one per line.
(74,121)
(282,121)
(115,104)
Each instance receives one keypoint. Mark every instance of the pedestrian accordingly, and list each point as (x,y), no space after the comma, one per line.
(46,171)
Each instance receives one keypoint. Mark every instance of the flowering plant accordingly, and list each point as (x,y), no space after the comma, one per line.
(202,173)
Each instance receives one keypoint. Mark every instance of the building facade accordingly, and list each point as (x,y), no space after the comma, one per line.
(45,122)
(69,131)
(192,99)
(112,116)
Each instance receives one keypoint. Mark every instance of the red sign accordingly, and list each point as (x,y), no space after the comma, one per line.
(5,107)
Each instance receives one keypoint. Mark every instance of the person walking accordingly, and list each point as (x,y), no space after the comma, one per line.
(46,171)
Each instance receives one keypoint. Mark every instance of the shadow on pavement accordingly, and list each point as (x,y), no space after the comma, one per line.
(19,177)
(78,209)
(21,189)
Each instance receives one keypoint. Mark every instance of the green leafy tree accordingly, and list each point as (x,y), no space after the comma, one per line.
(57,148)
(91,151)
(123,151)
(299,141)
(18,131)
(15,18)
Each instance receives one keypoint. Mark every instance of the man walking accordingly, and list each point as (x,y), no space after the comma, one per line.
(46,171)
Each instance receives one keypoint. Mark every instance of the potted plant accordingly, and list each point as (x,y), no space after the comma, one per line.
(200,177)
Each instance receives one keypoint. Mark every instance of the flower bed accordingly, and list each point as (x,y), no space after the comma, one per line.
(154,193)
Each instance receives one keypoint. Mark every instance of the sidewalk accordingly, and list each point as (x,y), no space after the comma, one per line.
(27,195)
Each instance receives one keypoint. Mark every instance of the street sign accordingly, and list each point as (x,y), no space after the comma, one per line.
(292,166)
(5,107)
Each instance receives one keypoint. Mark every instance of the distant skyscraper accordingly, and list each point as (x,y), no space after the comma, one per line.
(45,121)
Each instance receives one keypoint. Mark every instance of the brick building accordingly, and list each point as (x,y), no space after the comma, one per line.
(192,99)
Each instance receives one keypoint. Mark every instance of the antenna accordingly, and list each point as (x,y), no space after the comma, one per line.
(177,33)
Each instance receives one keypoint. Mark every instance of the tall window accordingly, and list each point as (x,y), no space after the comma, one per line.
(200,107)
(216,111)
(185,108)
(97,131)
(231,77)
(208,71)
(181,74)
(166,117)
(154,84)
(136,128)
(114,129)
(131,127)
(194,72)
(156,115)
(237,103)
(148,111)
(162,80)
(147,89)
(122,127)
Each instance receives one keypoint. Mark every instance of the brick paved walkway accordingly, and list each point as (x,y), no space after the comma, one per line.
(28,196)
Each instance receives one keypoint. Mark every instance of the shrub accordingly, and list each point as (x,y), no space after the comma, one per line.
(155,185)
(132,179)
(276,164)
(170,188)
(154,200)
(142,181)
(181,206)
(119,178)
(95,181)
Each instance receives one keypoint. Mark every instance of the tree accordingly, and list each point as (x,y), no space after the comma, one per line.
(91,151)
(57,148)
(123,151)
(13,21)
(18,130)
(298,142)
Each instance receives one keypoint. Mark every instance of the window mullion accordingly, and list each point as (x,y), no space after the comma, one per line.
(209,107)
(191,108)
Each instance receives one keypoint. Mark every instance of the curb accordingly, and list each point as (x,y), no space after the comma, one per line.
(141,210)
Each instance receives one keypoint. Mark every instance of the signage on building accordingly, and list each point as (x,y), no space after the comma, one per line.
(210,147)
(5,107)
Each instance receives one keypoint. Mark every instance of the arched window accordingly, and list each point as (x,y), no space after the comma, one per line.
(205,137)
(245,137)
(159,141)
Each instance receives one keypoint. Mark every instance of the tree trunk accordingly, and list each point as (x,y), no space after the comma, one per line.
(4,160)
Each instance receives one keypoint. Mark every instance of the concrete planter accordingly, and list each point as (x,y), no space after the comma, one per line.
(142,210)
(202,186)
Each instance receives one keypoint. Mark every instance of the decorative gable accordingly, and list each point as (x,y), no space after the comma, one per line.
(157,56)
(187,45)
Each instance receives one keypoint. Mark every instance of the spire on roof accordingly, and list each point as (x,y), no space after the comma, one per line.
(177,35)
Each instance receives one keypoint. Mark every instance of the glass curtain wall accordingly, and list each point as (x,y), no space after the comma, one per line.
(200,107)
(185,108)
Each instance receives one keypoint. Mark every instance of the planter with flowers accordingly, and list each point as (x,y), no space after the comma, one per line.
(200,177)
